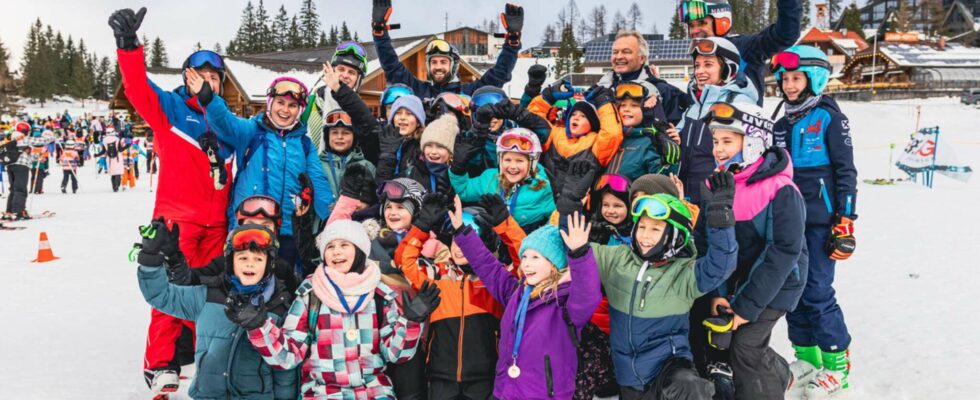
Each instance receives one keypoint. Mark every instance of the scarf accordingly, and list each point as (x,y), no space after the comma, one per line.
(797,110)
(352,286)
(263,288)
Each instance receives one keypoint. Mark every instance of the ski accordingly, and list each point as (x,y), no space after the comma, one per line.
(11,228)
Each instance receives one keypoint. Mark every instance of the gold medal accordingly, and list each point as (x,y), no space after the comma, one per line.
(352,334)
(514,371)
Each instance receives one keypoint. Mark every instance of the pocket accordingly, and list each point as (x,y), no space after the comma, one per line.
(548,377)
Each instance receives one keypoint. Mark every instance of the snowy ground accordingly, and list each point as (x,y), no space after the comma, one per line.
(75,328)
(76,108)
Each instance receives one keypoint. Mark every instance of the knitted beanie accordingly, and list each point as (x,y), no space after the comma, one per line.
(547,241)
(590,114)
(651,184)
(344,229)
(442,132)
(412,104)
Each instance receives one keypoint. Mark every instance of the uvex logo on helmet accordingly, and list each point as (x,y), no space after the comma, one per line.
(757,121)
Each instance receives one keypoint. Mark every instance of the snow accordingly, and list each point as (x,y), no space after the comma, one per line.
(59,104)
(166,81)
(255,79)
(515,88)
(376,63)
(75,327)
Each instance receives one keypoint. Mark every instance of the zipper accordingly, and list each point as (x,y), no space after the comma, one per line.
(825,196)
(629,320)
(462,328)
(285,160)
(643,292)
(548,377)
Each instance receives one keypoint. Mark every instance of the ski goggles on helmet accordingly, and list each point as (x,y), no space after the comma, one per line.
(692,10)
(616,183)
(288,86)
(791,61)
(487,98)
(246,239)
(727,113)
(631,90)
(453,101)
(354,50)
(337,118)
(392,93)
(259,206)
(203,58)
(706,47)
(662,207)
(392,190)
(439,46)
(515,142)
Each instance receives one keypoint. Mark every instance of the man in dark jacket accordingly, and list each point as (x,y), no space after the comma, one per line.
(707,18)
(442,59)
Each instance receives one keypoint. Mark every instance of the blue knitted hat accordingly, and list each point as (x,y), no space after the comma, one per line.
(410,102)
(547,241)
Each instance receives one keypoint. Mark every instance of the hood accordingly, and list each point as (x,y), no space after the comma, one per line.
(829,103)
(774,162)
(713,93)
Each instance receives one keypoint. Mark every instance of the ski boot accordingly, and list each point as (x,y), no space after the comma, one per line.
(803,370)
(832,379)
(162,381)
(720,374)
(23,215)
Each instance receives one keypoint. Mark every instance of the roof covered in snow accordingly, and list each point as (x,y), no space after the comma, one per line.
(165,78)
(928,55)
(323,54)
(255,75)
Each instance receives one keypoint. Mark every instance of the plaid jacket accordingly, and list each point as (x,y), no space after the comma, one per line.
(338,367)
(27,158)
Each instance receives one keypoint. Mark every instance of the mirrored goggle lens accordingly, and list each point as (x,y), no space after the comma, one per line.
(393,191)
(438,46)
(487,98)
(516,142)
(651,207)
(260,206)
(289,87)
(394,93)
(692,10)
(631,90)
(789,61)
(243,240)
(722,111)
(338,117)
(614,182)
(203,57)
(353,47)
(703,47)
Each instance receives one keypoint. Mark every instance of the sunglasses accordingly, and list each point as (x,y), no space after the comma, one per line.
(791,62)
(630,90)
(251,239)
(617,183)
(513,141)
(259,206)
(338,118)
(692,10)
(205,57)
(288,86)
(438,46)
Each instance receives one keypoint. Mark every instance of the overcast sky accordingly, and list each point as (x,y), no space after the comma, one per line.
(182,23)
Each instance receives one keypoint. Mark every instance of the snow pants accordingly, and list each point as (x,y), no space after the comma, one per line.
(37,179)
(128,179)
(678,380)
(759,372)
(17,199)
(116,180)
(169,342)
(441,389)
(69,174)
(818,319)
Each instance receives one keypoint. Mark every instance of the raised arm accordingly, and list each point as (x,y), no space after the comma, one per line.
(286,347)
(232,130)
(184,302)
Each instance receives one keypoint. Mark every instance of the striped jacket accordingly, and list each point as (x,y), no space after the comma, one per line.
(338,367)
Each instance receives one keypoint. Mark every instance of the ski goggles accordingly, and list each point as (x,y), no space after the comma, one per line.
(392,190)
(259,205)
(727,113)
(692,10)
(352,49)
(284,86)
(454,101)
(338,118)
(616,183)
(487,98)
(392,93)
(246,239)
(791,62)
(650,206)
(438,46)
(203,58)
(707,47)
(515,141)
(631,90)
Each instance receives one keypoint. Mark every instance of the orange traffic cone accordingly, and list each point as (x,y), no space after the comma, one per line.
(44,253)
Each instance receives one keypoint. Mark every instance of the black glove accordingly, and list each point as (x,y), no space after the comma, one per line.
(512,19)
(358,183)
(306,192)
(205,95)
(154,237)
(495,207)
(485,113)
(578,179)
(464,150)
(432,214)
(380,12)
(560,90)
(179,273)
(424,303)
(720,329)
(670,151)
(240,310)
(171,248)
(535,78)
(601,96)
(718,199)
(124,25)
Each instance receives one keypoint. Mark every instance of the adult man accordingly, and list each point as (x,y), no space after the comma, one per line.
(630,54)
(19,146)
(185,193)
(707,18)
(349,62)
(442,59)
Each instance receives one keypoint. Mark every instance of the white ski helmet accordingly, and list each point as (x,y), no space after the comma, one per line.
(746,119)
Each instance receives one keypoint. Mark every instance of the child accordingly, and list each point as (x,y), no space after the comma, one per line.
(541,323)
(494,113)
(463,349)
(518,180)
(818,137)
(340,149)
(591,132)
(716,67)
(771,273)
(438,142)
(611,224)
(227,365)
(646,148)
(345,324)
(69,166)
(399,138)
(112,148)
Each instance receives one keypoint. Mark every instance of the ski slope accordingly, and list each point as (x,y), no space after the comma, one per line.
(75,328)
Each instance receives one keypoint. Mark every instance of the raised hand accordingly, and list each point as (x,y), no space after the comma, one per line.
(418,308)
(495,207)
(512,19)
(578,231)
(330,78)
(358,183)
(432,214)
(719,198)
(154,237)
(124,24)
(380,12)
(456,214)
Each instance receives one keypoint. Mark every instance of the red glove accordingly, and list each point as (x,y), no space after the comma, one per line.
(840,245)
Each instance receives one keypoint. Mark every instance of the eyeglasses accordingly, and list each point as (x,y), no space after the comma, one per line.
(259,206)
(617,183)
(251,239)
(439,46)
(514,141)
(630,90)
(692,10)
(486,98)
(338,118)
(792,61)
(201,58)
(392,93)
(392,190)
(288,86)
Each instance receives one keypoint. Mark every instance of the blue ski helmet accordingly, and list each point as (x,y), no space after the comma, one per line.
(817,75)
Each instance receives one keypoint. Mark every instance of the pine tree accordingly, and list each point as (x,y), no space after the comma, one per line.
(82,83)
(569,56)
(6,79)
(158,53)
(334,36)
(677,30)
(264,40)
(62,69)
(198,47)
(344,32)
(116,79)
(309,24)
(103,79)
(834,9)
(244,41)
(634,16)
(280,30)
(322,41)
(218,49)
(145,41)
(357,38)
(805,18)
(851,19)
(295,37)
